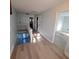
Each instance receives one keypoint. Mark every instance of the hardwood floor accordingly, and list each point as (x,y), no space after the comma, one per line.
(40,50)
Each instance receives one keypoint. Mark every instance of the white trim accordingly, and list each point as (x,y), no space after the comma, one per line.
(46,37)
(11,50)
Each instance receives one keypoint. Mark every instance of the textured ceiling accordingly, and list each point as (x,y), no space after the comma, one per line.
(34,6)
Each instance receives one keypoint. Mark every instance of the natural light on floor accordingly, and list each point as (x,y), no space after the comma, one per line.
(36,37)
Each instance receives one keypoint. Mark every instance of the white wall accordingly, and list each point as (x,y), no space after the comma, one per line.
(17,21)
(22,20)
(46,24)
(61,40)
(12,31)
(47,20)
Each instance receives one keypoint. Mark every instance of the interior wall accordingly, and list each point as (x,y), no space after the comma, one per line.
(12,31)
(48,20)
(60,8)
(23,20)
(46,24)
(61,40)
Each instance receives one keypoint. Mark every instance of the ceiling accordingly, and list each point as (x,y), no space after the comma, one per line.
(34,6)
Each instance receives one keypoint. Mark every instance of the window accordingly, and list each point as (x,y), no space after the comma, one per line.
(63,22)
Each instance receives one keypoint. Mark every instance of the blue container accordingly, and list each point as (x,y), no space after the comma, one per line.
(23,37)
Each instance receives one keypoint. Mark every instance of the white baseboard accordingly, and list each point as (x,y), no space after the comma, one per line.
(46,37)
(11,50)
